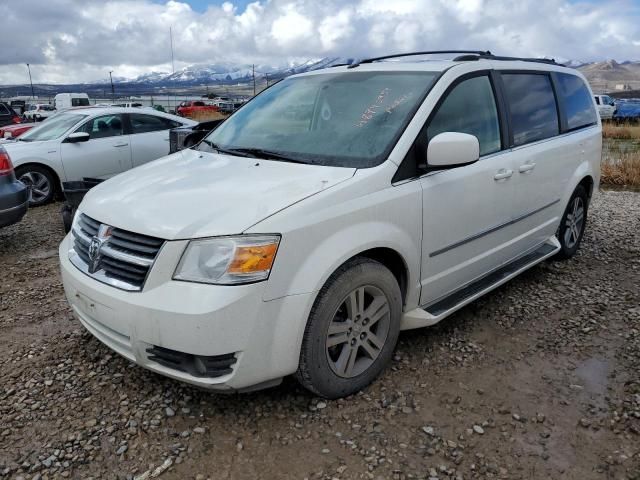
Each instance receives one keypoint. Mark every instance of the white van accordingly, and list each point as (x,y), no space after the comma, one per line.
(63,101)
(333,210)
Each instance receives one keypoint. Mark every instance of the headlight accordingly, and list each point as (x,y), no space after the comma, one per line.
(228,260)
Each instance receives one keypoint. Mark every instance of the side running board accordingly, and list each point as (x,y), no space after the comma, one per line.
(432,314)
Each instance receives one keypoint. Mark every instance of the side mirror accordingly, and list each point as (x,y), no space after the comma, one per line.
(452,149)
(77,137)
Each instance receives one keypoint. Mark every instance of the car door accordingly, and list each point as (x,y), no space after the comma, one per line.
(106,153)
(149,137)
(546,113)
(466,210)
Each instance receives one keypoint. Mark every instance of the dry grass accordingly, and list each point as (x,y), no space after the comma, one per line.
(624,170)
(206,116)
(625,131)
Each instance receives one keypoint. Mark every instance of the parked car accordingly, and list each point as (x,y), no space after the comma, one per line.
(38,111)
(14,195)
(186,137)
(303,245)
(15,130)
(195,108)
(63,101)
(627,111)
(89,142)
(7,115)
(606,106)
(128,104)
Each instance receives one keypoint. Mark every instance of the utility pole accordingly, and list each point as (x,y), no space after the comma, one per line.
(31,82)
(173,67)
(253,70)
(113,92)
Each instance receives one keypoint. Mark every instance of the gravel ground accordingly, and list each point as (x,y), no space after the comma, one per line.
(540,379)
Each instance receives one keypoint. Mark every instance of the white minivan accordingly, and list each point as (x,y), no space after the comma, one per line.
(333,210)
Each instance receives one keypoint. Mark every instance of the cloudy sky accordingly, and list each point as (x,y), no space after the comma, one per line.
(70,41)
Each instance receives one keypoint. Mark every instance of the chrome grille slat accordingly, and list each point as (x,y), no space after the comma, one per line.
(125,257)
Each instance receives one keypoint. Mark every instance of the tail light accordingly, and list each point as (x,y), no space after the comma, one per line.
(6,167)
(16,119)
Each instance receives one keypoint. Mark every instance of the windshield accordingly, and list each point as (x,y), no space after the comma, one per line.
(48,108)
(344,119)
(53,128)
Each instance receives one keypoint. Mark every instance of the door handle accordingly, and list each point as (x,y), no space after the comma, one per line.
(502,174)
(527,167)
(121,145)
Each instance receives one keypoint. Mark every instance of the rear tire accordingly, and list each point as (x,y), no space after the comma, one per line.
(42,182)
(352,329)
(573,223)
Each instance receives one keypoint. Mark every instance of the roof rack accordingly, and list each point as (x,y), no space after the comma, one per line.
(412,54)
(489,56)
(465,56)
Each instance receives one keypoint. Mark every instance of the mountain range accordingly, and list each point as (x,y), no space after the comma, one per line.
(603,76)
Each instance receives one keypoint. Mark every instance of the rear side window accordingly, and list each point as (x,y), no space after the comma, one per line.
(3,110)
(576,101)
(79,102)
(150,123)
(597,100)
(470,108)
(532,105)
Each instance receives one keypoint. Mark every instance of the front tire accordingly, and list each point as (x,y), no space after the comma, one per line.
(352,329)
(41,182)
(573,223)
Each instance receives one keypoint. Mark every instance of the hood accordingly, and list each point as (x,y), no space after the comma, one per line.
(193,194)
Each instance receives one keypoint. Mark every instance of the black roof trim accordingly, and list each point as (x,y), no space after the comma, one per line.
(464,56)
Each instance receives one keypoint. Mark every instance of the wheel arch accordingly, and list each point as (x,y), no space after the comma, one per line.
(391,259)
(587,183)
(56,176)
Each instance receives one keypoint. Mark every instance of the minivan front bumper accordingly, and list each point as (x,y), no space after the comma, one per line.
(173,326)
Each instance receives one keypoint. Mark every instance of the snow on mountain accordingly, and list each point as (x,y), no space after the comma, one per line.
(200,74)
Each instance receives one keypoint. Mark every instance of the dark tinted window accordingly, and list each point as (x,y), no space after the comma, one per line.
(149,123)
(470,108)
(577,103)
(597,100)
(532,105)
(79,102)
(104,126)
(3,110)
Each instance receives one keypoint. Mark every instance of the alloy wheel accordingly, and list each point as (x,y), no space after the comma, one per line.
(574,222)
(358,331)
(39,184)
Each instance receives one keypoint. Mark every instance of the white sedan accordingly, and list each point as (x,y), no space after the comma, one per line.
(89,142)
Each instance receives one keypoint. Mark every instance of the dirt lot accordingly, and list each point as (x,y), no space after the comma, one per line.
(541,379)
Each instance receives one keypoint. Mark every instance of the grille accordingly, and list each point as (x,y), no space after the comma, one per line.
(196,365)
(124,259)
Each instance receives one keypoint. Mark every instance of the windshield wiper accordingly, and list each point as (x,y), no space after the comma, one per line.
(268,155)
(229,151)
(255,153)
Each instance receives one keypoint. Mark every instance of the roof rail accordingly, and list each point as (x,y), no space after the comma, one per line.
(489,56)
(412,54)
(465,56)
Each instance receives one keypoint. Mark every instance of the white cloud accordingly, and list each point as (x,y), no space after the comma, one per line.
(78,40)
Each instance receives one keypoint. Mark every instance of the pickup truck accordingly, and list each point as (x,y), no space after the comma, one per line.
(606,106)
(196,109)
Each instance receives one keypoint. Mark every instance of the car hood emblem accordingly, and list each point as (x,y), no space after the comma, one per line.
(95,245)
